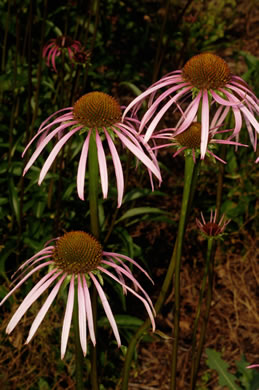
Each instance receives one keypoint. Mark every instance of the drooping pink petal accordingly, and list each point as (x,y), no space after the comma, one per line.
(28,301)
(253,366)
(52,50)
(245,111)
(81,315)
(55,54)
(161,113)
(67,317)
(216,157)
(102,165)
(131,277)
(60,119)
(139,154)
(245,96)
(42,129)
(140,98)
(43,144)
(43,311)
(189,114)
(149,113)
(46,250)
(25,278)
(117,167)
(82,167)
(47,47)
(89,312)
(134,293)
(117,256)
(107,308)
(29,266)
(204,123)
(54,153)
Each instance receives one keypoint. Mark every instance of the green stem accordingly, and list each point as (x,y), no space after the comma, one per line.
(198,312)
(94,220)
(162,295)
(188,179)
(210,263)
(79,353)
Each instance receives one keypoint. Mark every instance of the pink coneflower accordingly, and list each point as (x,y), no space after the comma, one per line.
(212,228)
(207,80)
(54,47)
(191,139)
(77,258)
(98,115)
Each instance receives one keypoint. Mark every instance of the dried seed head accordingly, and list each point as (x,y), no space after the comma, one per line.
(77,252)
(191,137)
(97,109)
(206,71)
(64,41)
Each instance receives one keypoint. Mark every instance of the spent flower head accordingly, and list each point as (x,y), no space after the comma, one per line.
(55,46)
(207,82)
(97,115)
(76,258)
(212,228)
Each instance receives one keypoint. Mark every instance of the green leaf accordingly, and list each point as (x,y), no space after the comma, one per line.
(15,202)
(132,87)
(140,210)
(216,363)
(122,320)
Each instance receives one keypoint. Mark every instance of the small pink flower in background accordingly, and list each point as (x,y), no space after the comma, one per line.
(77,258)
(191,139)
(54,47)
(212,228)
(206,82)
(98,115)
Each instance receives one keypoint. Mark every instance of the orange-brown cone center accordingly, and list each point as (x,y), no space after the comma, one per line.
(191,137)
(97,109)
(77,252)
(206,71)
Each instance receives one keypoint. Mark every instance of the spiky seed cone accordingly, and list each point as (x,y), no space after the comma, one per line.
(206,71)
(191,137)
(97,109)
(77,252)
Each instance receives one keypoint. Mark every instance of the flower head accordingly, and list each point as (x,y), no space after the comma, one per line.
(79,259)
(54,47)
(212,228)
(98,115)
(82,57)
(207,81)
(191,139)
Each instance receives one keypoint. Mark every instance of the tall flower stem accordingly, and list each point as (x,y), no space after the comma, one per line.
(195,357)
(210,271)
(94,220)
(187,190)
(164,290)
